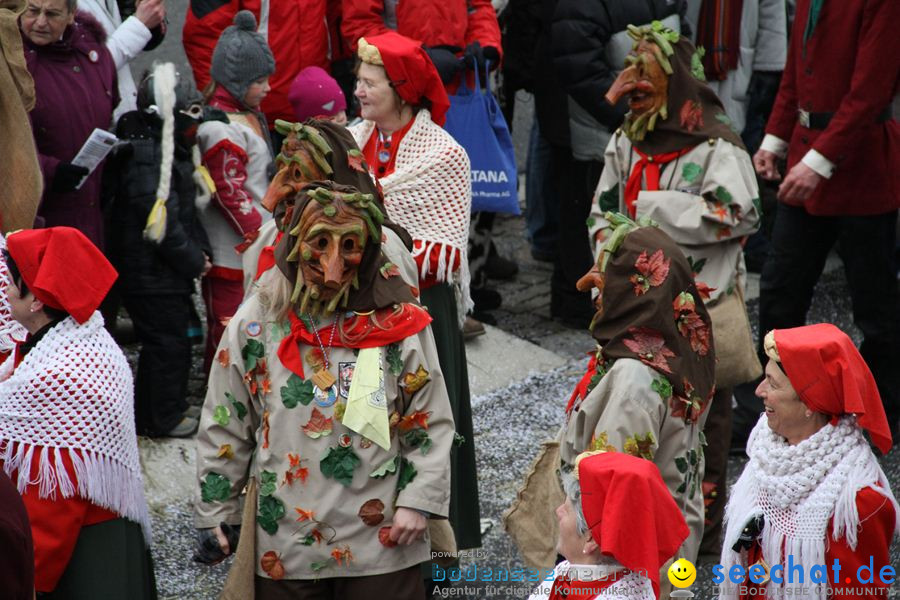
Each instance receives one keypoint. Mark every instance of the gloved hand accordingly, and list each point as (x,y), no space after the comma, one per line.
(209,551)
(476,55)
(66,177)
(446,62)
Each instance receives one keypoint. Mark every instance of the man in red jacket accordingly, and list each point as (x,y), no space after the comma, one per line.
(296,30)
(832,120)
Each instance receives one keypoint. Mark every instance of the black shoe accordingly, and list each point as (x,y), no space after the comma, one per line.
(501,268)
(484,317)
(486,299)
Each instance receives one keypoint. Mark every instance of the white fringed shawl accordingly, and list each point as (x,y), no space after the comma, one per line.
(430,195)
(798,489)
(73,391)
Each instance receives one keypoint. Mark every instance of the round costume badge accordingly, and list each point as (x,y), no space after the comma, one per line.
(345,440)
(384,156)
(254,328)
(325,398)
(93,56)
(365,442)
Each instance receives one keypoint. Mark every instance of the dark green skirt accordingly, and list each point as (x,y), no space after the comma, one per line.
(110,562)
(465,516)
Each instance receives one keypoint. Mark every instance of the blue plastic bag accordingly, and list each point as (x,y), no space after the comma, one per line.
(475,121)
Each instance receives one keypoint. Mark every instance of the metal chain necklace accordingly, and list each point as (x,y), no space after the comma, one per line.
(325,391)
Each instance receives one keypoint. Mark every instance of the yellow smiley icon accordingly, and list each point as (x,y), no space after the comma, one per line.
(682,573)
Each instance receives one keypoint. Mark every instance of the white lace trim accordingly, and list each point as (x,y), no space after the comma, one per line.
(799,489)
(74,391)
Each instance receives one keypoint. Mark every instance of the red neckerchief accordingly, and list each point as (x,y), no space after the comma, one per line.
(566,589)
(375,145)
(267,257)
(358,331)
(581,389)
(649,165)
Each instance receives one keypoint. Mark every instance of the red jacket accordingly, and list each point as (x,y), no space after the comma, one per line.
(297,32)
(433,22)
(849,67)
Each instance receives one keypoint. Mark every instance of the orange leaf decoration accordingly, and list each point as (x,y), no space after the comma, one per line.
(223,357)
(704,290)
(355,160)
(413,382)
(342,554)
(372,512)
(317,535)
(691,115)
(266,386)
(271,564)
(384,536)
(265,429)
(318,425)
(305,515)
(225,452)
(417,419)
(651,271)
(261,368)
(296,470)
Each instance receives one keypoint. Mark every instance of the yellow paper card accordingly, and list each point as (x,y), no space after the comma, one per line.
(366,411)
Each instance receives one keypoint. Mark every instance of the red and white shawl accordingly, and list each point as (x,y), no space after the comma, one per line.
(73,391)
(430,195)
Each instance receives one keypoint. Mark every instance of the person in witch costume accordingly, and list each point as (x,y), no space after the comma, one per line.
(318,150)
(344,476)
(813,491)
(677,161)
(611,550)
(649,383)
(67,433)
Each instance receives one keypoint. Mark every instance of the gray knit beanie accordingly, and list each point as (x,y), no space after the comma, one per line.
(241,56)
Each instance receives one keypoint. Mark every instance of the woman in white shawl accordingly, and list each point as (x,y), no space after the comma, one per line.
(67,437)
(813,492)
(426,179)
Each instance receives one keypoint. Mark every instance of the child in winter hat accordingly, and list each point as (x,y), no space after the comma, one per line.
(315,94)
(241,58)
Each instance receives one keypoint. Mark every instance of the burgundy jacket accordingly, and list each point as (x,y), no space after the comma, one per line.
(76,91)
(850,68)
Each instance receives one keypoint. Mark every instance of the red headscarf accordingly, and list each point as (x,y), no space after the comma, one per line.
(62,268)
(641,540)
(831,377)
(412,72)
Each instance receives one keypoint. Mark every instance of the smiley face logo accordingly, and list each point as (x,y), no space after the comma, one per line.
(682,573)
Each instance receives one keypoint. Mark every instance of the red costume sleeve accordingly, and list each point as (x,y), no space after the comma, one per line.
(874,77)
(361,18)
(227,164)
(876,529)
(433,257)
(483,27)
(203,25)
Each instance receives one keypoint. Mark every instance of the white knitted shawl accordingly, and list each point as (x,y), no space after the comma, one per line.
(10,330)
(430,195)
(798,489)
(74,391)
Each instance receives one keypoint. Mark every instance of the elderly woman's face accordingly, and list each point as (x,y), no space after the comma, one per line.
(788,416)
(377,99)
(569,544)
(44,21)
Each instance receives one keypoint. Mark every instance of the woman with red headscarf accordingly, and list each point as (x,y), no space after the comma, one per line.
(426,179)
(67,437)
(813,492)
(611,550)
